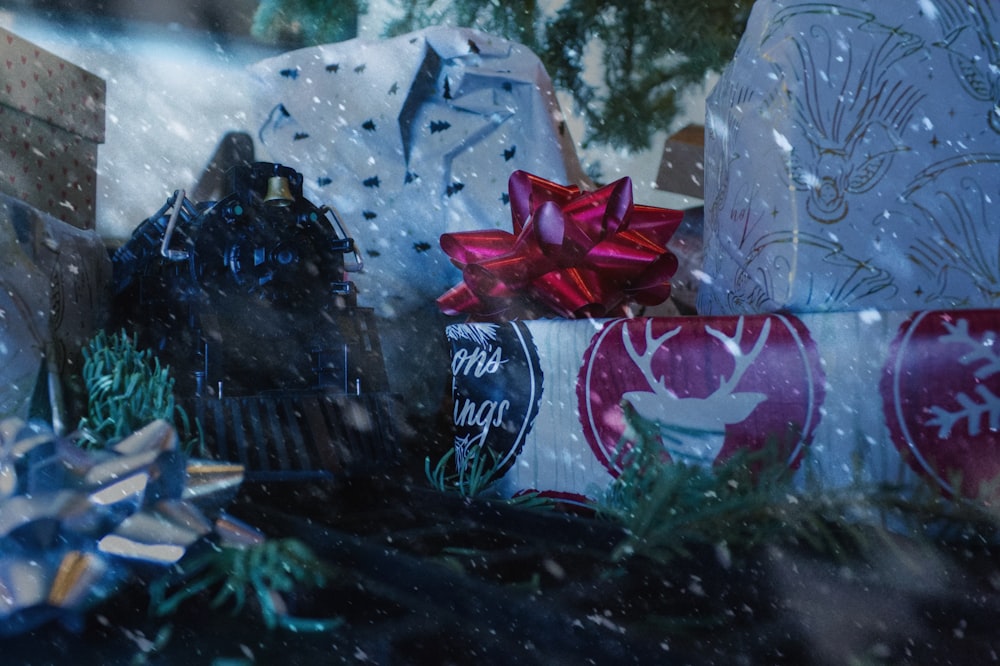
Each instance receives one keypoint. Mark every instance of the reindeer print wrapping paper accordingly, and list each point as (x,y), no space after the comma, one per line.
(853,158)
(847,397)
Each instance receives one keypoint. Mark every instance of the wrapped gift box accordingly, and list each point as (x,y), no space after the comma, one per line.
(848,397)
(852,159)
(682,165)
(76,524)
(54,295)
(409,138)
(51,121)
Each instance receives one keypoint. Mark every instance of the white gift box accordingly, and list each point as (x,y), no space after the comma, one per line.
(409,138)
(847,397)
(853,159)
(55,296)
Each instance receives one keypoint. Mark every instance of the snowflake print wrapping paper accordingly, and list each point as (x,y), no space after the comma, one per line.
(853,159)
(866,397)
(409,138)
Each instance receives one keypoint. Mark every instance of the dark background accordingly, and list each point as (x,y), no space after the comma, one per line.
(224,17)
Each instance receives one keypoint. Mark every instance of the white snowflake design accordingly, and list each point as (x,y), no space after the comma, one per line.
(974,412)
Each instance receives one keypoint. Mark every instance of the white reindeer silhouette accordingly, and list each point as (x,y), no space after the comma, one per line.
(694,429)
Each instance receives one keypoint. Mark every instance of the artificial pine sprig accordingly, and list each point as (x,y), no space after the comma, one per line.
(667,507)
(475,475)
(750,499)
(126,389)
(266,571)
(471,477)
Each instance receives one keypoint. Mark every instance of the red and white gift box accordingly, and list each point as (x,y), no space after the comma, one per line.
(869,397)
(51,122)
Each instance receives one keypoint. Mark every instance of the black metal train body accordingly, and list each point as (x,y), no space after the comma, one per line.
(246,298)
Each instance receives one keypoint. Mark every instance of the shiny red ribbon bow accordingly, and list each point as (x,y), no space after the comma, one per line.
(581,254)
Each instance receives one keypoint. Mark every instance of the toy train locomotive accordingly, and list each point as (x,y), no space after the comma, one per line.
(246,298)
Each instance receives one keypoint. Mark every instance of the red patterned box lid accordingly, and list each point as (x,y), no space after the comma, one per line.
(39,83)
(48,167)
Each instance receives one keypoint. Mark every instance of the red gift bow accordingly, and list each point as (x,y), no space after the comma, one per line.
(582,254)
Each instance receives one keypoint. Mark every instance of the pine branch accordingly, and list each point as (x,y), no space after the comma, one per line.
(651,52)
(127,388)
(306,22)
(669,508)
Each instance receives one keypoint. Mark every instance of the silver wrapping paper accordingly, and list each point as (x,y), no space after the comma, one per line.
(74,524)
